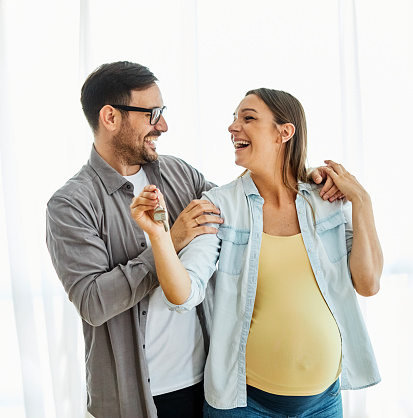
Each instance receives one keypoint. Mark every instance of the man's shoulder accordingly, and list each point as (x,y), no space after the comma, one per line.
(171,162)
(176,168)
(81,182)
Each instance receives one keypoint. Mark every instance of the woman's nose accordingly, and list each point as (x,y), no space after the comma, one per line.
(234,126)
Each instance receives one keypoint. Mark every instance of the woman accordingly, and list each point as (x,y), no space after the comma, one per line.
(286,321)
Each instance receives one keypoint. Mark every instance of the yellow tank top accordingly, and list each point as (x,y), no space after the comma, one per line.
(294,344)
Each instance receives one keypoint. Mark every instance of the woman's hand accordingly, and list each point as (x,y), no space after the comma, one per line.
(172,276)
(142,208)
(345,182)
(366,257)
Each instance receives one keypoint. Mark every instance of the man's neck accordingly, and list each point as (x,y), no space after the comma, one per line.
(124,170)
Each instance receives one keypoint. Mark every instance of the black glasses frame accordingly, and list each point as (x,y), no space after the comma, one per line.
(156,112)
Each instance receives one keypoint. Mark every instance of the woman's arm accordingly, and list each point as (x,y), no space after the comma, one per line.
(173,276)
(366,257)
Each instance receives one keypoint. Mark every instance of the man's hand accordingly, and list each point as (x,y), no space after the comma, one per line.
(190,223)
(347,183)
(330,190)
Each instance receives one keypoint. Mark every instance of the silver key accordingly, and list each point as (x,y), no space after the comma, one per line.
(159,215)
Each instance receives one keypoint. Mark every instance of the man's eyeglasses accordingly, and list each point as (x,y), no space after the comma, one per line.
(156,112)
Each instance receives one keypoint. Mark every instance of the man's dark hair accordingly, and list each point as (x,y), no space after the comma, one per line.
(112,84)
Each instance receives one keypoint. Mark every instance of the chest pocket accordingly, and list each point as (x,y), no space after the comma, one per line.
(333,236)
(233,244)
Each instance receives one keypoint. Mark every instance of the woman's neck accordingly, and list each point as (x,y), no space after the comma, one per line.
(272,188)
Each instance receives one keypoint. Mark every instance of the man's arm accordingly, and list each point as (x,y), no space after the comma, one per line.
(191,222)
(82,263)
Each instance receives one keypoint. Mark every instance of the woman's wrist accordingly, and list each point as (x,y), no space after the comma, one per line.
(361,199)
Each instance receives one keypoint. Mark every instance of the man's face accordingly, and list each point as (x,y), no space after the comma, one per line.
(134,144)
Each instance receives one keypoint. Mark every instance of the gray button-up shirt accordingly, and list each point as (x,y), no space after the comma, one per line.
(101,257)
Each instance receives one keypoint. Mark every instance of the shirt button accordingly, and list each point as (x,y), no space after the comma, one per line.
(318,272)
(149,380)
(144,346)
(128,186)
(142,244)
(310,250)
(305,229)
(144,313)
(300,210)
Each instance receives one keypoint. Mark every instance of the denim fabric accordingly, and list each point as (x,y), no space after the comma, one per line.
(327,233)
(325,405)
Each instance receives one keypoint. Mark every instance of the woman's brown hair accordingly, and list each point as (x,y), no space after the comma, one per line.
(287,109)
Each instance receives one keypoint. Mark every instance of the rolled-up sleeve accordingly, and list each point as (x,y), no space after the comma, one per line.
(199,258)
(83,264)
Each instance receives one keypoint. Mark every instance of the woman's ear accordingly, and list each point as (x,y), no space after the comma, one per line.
(109,118)
(286,132)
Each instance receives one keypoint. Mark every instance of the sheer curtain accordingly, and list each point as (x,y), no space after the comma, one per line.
(350,64)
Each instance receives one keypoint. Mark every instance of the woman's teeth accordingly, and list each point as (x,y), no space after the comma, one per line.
(241,144)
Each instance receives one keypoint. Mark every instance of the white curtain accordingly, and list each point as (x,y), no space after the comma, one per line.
(350,63)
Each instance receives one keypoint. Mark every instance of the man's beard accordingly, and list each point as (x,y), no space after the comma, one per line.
(128,151)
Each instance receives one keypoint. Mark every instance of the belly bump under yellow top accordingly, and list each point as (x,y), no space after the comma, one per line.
(294,344)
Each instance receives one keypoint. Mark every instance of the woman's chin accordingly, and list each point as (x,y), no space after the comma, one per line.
(240,163)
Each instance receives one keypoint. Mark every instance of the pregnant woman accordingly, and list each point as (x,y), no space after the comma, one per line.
(287,332)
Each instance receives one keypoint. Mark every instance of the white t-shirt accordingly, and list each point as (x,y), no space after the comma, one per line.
(174,344)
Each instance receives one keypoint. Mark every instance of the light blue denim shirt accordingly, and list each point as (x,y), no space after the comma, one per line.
(236,248)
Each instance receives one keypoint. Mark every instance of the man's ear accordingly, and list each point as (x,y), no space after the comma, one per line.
(286,132)
(110,118)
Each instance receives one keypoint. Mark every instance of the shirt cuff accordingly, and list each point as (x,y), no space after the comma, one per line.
(148,260)
(184,307)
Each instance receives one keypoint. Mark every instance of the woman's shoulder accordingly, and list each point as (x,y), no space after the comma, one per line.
(232,187)
(228,196)
(322,208)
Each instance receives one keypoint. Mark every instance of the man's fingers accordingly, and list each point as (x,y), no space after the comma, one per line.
(335,196)
(318,175)
(331,192)
(327,185)
(197,207)
(208,219)
(205,230)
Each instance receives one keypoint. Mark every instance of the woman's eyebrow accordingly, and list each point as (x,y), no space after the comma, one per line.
(246,109)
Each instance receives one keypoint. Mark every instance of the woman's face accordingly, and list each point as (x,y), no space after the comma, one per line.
(254,133)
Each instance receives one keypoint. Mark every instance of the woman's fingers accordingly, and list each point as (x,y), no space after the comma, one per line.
(338,168)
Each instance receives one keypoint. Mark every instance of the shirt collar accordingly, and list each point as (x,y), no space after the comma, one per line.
(307,187)
(111,179)
(250,187)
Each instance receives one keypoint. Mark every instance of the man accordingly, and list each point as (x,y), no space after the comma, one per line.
(142,360)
